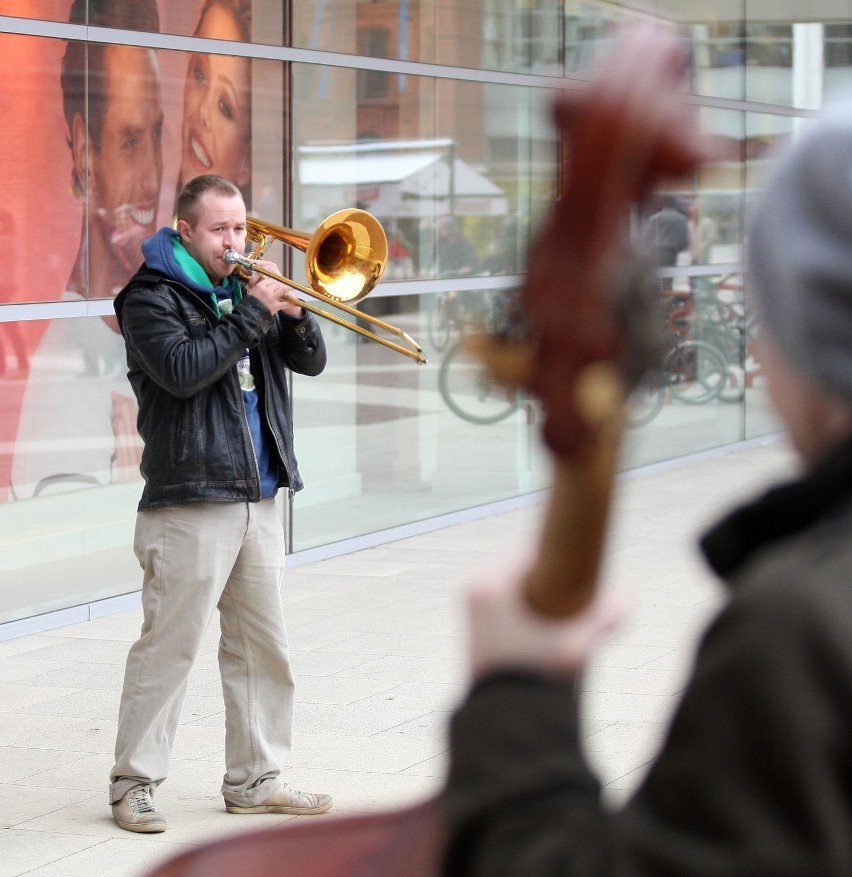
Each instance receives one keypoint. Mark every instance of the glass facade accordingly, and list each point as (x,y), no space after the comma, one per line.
(432,115)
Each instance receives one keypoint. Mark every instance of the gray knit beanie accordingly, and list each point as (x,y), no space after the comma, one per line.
(799,252)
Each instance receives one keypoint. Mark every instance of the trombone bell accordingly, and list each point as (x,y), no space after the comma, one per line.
(344,258)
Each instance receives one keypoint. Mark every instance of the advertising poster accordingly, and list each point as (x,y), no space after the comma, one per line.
(97,140)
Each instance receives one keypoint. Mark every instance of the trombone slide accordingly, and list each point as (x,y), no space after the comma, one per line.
(413,350)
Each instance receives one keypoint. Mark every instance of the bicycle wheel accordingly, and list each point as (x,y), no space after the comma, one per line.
(695,372)
(468,391)
(440,321)
(728,339)
(646,400)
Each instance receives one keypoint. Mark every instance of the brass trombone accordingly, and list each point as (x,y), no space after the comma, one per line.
(344,260)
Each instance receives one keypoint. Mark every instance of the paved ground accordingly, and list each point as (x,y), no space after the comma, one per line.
(379,657)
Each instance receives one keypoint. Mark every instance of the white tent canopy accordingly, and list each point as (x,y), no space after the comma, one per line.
(396,179)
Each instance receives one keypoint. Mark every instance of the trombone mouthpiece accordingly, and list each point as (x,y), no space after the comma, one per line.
(232,257)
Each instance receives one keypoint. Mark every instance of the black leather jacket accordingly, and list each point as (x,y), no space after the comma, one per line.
(182,366)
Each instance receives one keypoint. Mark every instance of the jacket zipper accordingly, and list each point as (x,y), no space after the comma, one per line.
(248,434)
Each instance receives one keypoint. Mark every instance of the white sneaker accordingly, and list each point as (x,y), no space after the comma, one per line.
(289,802)
(136,811)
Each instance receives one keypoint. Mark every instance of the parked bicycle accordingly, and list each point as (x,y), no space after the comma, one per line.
(453,312)
(703,363)
(722,318)
(692,372)
(465,385)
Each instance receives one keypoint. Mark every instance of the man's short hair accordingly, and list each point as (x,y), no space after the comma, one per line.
(79,55)
(192,192)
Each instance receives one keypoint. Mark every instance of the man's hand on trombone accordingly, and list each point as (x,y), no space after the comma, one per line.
(277,296)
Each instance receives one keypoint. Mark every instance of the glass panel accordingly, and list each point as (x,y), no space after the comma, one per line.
(248,21)
(719,58)
(116,131)
(383,442)
(773,56)
(40,219)
(837,38)
(723,46)
(117,149)
(67,424)
(56,552)
(457,174)
(138,15)
(216,114)
(75,413)
(454,170)
(588,28)
(144,139)
(46,10)
(216,19)
(513,35)
(695,401)
(767,53)
(690,405)
(764,135)
(217,106)
(141,15)
(102,153)
(797,61)
(690,408)
(718,44)
(716,230)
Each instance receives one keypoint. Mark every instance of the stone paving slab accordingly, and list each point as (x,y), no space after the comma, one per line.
(378,644)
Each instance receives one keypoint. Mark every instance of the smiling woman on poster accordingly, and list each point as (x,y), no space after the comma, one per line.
(216,134)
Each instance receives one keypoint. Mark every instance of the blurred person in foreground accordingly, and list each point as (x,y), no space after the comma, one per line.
(208,358)
(755,774)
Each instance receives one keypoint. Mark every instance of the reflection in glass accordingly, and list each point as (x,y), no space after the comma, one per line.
(482,34)
(380,444)
(420,189)
(456,184)
(458,172)
(794,60)
(588,29)
(77,422)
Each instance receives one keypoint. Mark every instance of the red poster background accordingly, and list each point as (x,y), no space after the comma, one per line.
(40,218)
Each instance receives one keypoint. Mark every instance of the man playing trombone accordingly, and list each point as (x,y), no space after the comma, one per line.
(208,357)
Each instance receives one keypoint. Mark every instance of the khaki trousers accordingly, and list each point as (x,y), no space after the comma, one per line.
(197,558)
